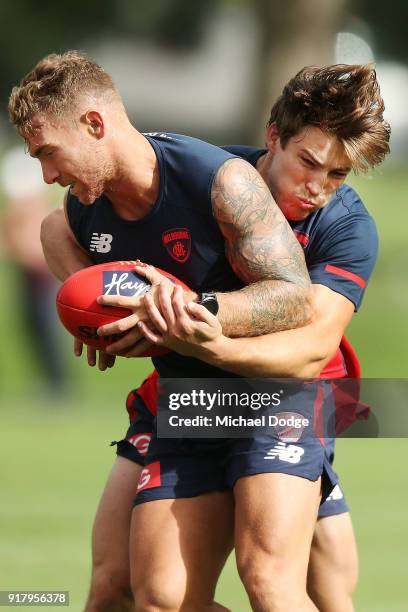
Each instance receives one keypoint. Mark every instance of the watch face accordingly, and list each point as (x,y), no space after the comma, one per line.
(210,302)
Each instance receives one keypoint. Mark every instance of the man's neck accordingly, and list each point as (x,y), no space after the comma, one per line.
(134,189)
(260,165)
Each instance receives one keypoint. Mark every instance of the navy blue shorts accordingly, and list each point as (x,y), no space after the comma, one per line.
(186,468)
(335,503)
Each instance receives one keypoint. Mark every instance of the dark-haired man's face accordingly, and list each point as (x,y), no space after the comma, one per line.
(304,174)
(69,157)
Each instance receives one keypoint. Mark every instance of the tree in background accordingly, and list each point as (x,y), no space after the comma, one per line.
(290,37)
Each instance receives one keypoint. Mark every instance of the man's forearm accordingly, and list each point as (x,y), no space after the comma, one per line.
(298,353)
(264,307)
(62,254)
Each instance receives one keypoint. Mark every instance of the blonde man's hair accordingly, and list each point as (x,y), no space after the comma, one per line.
(55,85)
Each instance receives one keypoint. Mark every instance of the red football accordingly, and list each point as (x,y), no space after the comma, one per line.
(79,311)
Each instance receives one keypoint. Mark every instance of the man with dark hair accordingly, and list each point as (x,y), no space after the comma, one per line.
(340,243)
(342,100)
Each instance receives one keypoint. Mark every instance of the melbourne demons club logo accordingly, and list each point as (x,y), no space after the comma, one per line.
(178,243)
(286,428)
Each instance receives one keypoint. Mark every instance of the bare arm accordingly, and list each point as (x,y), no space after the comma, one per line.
(299,353)
(264,254)
(65,256)
(62,252)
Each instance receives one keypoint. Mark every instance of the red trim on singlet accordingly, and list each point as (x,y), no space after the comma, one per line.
(302,238)
(346,274)
(148,392)
(335,368)
(353,368)
(344,363)
(346,391)
(132,412)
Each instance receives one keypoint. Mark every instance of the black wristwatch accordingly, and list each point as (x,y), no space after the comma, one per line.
(209,301)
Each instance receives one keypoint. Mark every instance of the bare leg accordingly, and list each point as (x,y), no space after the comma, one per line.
(178,549)
(333,566)
(274,521)
(110,586)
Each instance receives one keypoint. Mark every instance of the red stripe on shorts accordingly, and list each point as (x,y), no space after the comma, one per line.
(150,477)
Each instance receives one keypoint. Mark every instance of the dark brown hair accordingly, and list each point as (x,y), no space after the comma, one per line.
(343,100)
(54,86)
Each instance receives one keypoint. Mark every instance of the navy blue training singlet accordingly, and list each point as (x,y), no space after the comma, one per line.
(179,234)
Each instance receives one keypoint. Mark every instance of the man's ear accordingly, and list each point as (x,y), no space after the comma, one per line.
(94,123)
(272,137)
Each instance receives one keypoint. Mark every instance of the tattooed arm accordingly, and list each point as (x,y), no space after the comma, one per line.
(263,253)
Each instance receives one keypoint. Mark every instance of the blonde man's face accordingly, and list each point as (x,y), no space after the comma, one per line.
(69,156)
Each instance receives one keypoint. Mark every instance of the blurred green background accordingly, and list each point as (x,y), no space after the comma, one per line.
(55,453)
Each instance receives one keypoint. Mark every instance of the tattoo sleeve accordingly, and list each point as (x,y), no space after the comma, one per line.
(263,253)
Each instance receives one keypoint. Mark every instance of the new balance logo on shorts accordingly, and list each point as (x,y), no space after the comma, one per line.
(336,494)
(101,242)
(285,452)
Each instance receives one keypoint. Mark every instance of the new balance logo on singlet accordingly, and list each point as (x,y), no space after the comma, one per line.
(285,452)
(101,242)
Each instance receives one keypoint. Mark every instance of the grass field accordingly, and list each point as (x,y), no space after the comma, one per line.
(55,457)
